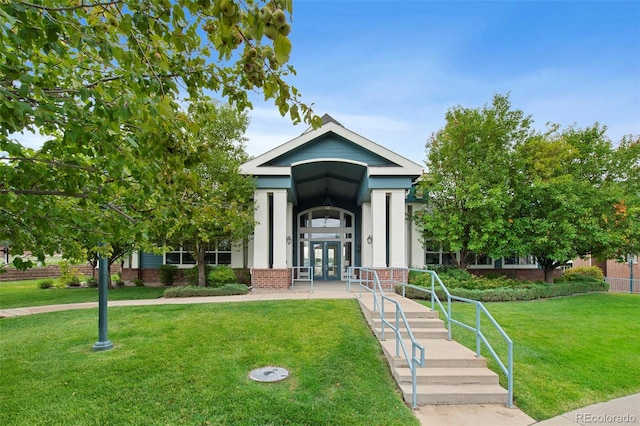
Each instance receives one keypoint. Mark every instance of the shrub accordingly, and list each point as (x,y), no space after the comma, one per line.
(585,271)
(191,275)
(46,283)
(117,280)
(74,281)
(529,291)
(68,275)
(92,282)
(220,275)
(243,276)
(168,274)
(196,291)
(138,282)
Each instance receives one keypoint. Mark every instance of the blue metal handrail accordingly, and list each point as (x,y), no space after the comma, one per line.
(480,337)
(302,273)
(368,279)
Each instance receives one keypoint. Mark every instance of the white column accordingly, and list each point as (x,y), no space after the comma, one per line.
(261,231)
(365,253)
(237,255)
(379,226)
(417,250)
(397,230)
(290,234)
(280,229)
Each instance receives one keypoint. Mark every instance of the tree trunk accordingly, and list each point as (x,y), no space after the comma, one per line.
(202,276)
(549,273)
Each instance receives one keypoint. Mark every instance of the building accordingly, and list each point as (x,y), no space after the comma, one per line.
(330,199)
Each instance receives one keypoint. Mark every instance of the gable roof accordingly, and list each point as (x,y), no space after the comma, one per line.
(395,164)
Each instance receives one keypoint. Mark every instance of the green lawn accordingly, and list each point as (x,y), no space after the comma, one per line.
(568,352)
(18,294)
(189,364)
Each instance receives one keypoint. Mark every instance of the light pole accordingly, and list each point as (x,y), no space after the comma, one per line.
(103,286)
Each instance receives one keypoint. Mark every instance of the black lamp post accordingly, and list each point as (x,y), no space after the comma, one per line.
(103,285)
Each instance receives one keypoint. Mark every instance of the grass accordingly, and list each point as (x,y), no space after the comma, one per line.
(189,364)
(17,294)
(568,352)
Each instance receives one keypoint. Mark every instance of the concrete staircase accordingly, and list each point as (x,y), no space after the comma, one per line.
(452,373)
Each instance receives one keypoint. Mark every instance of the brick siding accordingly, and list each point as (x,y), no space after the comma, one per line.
(52,271)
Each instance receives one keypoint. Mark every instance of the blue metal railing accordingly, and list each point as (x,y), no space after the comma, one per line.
(480,337)
(368,280)
(302,273)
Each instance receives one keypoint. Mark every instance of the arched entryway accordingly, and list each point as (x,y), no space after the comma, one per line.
(326,241)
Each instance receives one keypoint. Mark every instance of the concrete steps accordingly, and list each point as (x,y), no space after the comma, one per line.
(452,374)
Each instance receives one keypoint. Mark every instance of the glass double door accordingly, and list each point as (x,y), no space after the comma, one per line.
(325,258)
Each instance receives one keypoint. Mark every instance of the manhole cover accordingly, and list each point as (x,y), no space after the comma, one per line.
(269,374)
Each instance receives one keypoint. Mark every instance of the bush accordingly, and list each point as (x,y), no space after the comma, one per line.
(585,271)
(168,274)
(196,291)
(528,291)
(92,282)
(46,283)
(220,275)
(117,280)
(68,275)
(138,282)
(191,275)
(243,276)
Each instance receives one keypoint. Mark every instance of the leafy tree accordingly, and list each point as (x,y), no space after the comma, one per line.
(103,82)
(468,179)
(567,200)
(213,196)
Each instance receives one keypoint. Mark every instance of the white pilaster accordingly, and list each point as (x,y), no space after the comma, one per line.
(290,234)
(280,229)
(261,231)
(365,247)
(417,249)
(397,230)
(379,225)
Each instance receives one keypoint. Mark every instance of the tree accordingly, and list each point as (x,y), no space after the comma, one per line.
(214,198)
(104,82)
(468,180)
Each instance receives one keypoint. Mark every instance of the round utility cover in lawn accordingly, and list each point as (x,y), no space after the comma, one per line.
(269,374)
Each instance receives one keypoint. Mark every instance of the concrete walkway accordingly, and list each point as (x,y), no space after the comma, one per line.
(621,411)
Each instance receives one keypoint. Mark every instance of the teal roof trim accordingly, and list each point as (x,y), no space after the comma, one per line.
(330,146)
(382,182)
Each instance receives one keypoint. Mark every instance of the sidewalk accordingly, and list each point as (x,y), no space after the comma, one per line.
(621,411)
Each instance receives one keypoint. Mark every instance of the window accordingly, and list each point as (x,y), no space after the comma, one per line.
(515,261)
(436,255)
(215,254)
(481,261)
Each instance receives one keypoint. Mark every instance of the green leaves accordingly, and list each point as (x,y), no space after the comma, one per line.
(497,187)
(105,83)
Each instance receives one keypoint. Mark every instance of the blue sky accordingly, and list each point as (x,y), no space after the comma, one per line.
(389,70)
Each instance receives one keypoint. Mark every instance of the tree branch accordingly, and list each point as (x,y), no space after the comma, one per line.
(70,8)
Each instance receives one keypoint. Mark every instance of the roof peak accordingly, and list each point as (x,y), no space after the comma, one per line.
(326,119)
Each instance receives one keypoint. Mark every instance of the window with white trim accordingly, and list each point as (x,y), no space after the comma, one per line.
(481,261)
(435,254)
(215,254)
(515,261)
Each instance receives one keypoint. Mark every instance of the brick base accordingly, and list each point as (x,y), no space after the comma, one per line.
(271,278)
(51,271)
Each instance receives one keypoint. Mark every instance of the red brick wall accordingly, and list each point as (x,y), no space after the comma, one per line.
(149,276)
(52,271)
(271,278)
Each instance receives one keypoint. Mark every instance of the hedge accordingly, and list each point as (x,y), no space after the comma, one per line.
(195,291)
(529,291)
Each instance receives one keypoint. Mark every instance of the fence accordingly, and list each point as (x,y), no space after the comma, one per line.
(623,285)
